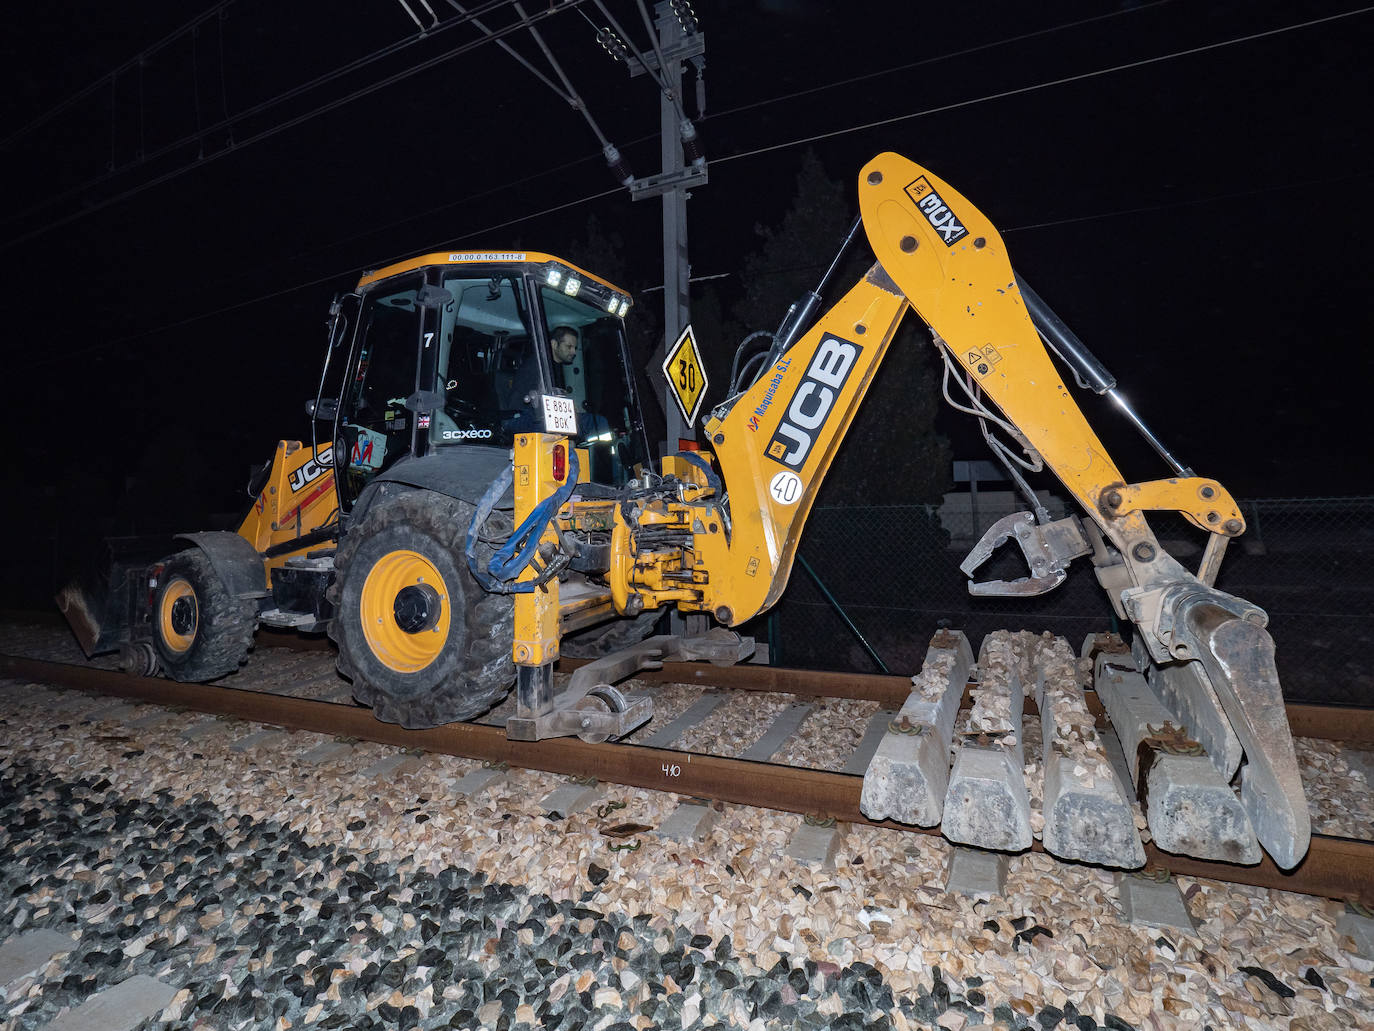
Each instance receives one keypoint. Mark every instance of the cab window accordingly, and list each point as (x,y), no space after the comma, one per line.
(487,369)
(375,427)
(587,358)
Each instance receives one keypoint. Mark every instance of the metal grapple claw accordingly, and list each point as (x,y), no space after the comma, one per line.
(1237,654)
(1048,549)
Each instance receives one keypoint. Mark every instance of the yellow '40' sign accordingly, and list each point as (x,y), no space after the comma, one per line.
(686,375)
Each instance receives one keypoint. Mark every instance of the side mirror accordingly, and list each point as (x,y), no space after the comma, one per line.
(324,410)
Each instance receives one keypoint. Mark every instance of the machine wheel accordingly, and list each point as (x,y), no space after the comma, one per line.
(597,641)
(200,631)
(422,642)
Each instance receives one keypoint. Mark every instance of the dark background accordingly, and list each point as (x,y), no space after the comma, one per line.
(1200,219)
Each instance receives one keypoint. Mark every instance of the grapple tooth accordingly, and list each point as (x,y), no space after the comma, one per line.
(1238,657)
(1047,550)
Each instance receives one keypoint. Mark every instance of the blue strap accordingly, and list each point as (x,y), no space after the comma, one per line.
(518,551)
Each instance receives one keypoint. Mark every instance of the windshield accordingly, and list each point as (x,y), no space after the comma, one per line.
(486,368)
(490,372)
(586,349)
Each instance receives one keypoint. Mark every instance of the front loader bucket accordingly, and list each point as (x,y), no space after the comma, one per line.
(105,606)
(84,616)
(1238,656)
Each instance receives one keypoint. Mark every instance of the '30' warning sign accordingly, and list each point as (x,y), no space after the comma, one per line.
(686,375)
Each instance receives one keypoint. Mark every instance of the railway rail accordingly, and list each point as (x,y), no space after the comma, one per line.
(1335,867)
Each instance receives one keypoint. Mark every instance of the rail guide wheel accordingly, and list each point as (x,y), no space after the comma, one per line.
(601,699)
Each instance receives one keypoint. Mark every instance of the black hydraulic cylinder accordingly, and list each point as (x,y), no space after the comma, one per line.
(1066,342)
(1089,370)
(803,312)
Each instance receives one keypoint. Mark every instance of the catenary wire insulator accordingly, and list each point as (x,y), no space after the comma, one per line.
(613,44)
(669,89)
(691,145)
(617,165)
(685,16)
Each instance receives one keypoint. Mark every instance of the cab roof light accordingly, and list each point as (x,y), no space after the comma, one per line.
(554,277)
(572,286)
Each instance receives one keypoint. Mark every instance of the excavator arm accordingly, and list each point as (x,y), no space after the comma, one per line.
(725,545)
(718,532)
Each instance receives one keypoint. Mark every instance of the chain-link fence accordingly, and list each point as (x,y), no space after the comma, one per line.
(894,571)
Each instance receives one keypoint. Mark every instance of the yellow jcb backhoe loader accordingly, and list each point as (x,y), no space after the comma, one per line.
(486,498)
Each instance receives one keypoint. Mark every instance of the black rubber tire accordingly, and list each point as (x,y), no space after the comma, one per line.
(473,669)
(223,625)
(598,641)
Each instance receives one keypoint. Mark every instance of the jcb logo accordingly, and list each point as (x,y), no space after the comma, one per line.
(936,211)
(312,470)
(811,403)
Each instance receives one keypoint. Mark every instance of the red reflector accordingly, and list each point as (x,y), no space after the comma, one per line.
(560,462)
(683,444)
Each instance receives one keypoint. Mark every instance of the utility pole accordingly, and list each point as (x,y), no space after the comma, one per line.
(683,167)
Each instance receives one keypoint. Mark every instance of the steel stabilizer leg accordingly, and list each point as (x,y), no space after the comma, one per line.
(1238,656)
(591,707)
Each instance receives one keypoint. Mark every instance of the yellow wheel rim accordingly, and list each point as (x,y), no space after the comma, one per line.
(178,616)
(404,611)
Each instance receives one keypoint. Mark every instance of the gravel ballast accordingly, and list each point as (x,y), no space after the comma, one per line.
(272,892)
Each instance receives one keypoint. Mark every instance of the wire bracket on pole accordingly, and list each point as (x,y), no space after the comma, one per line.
(666,182)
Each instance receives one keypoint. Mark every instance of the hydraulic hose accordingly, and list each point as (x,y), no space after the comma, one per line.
(519,550)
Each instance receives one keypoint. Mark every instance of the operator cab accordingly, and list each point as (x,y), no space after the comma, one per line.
(453,352)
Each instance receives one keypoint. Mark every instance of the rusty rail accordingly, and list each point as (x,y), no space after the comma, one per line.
(1334,868)
(1334,723)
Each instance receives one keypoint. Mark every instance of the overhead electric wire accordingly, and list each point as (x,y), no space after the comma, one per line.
(273,130)
(516,54)
(576,101)
(473,16)
(355,270)
(228,121)
(554,170)
(937,59)
(669,89)
(110,76)
(628,40)
(1144,209)
(1061,81)
(603,193)
(351,271)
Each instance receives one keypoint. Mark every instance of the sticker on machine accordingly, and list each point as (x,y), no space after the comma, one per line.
(786,488)
(560,415)
(936,211)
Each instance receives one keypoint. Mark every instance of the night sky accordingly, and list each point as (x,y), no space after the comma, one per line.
(1188,184)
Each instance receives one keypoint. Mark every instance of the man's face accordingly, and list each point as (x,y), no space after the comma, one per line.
(565,348)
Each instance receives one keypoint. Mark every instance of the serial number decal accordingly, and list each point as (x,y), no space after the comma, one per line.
(812,401)
(936,211)
(487,256)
